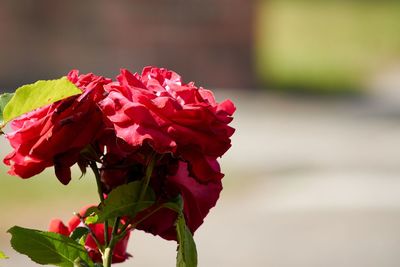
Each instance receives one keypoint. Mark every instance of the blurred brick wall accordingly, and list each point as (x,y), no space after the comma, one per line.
(206,41)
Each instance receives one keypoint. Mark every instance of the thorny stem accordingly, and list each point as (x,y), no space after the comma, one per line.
(96,172)
(114,232)
(115,227)
(108,252)
(146,181)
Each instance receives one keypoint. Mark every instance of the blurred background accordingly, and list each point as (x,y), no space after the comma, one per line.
(312,178)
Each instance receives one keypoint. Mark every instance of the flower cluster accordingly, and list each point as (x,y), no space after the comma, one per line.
(123,126)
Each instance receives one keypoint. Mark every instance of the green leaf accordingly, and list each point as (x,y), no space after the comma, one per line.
(48,247)
(122,201)
(2,255)
(187,252)
(93,218)
(4,99)
(78,233)
(82,240)
(38,94)
(90,211)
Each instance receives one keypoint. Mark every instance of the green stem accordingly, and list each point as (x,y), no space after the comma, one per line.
(114,231)
(115,236)
(107,257)
(146,181)
(93,166)
(96,172)
(115,227)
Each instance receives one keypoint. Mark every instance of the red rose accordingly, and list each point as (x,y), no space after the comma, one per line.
(159,109)
(170,178)
(119,252)
(198,199)
(55,134)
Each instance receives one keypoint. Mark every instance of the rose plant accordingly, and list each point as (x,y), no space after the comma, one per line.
(152,142)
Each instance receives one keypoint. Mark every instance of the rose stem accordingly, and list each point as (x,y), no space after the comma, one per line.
(107,257)
(96,172)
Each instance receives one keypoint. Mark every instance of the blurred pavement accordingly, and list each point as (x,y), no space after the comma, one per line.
(309,182)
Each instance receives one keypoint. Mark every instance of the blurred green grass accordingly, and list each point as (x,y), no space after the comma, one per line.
(325,46)
(43,186)
(35,201)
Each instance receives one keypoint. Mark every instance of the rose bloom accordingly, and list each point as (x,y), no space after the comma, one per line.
(157,108)
(198,199)
(119,252)
(170,178)
(55,134)
(157,112)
